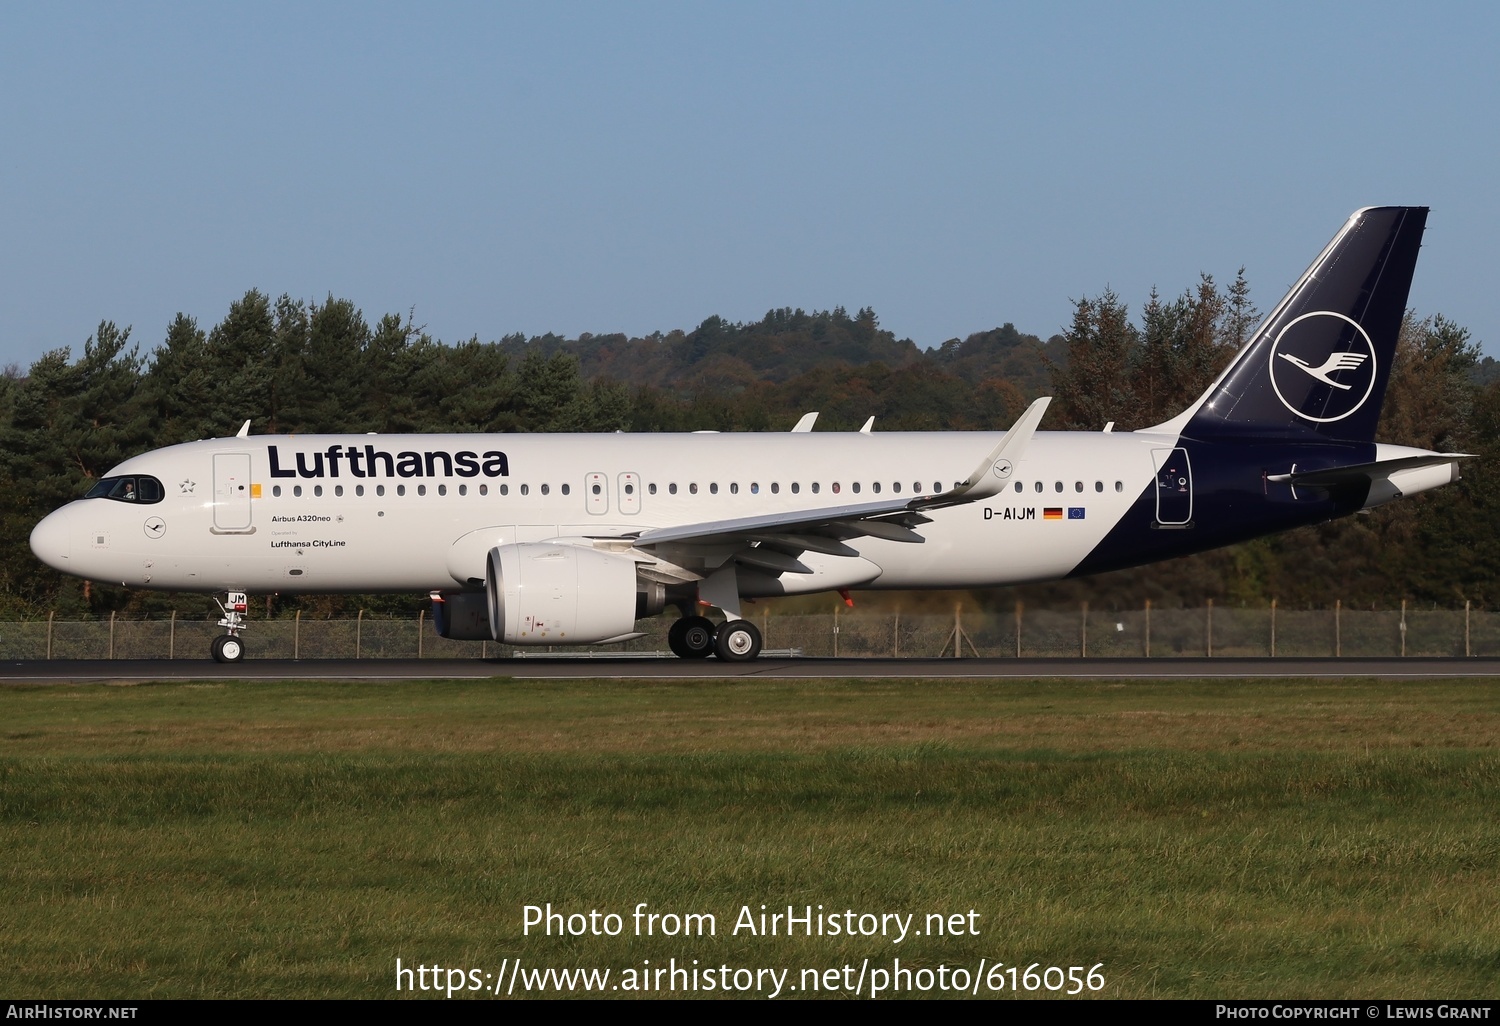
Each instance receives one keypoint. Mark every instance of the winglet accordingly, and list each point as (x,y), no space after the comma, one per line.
(868,425)
(987,478)
(244,431)
(806,423)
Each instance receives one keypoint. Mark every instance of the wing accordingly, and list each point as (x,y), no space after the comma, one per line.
(774,540)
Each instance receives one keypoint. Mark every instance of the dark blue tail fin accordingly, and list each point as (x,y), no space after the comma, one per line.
(1319,364)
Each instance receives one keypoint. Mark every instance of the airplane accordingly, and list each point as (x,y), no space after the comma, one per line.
(532,539)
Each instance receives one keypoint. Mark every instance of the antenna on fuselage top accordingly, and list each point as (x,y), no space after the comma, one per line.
(806,423)
(244,431)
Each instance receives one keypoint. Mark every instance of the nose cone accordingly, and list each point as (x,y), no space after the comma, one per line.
(51,540)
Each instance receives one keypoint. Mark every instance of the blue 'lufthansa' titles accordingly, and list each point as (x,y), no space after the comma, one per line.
(368,461)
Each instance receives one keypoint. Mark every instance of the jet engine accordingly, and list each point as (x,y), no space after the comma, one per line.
(543,593)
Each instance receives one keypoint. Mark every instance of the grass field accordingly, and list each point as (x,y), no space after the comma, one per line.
(1201,840)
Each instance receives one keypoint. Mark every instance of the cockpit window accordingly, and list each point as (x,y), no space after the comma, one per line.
(136,488)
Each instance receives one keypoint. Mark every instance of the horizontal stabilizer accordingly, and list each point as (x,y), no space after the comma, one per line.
(1332,477)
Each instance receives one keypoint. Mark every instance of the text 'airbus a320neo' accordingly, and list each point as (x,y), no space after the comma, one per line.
(570,539)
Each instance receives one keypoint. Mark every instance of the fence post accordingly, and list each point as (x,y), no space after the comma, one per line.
(896,636)
(1273,628)
(1083,632)
(172,638)
(112,634)
(1210,628)
(1466,628)
(421,618)
(50,614)
(1018,630)
(1403,628)
(835,632)
(1338,628)
(1148,628)
(359,629)
(297,635)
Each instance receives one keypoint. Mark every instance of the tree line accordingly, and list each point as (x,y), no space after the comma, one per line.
(291,365)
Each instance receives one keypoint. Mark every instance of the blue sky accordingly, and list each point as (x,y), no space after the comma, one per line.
(632,167)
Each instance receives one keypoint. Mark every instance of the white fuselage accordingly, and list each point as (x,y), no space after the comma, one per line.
(225,523)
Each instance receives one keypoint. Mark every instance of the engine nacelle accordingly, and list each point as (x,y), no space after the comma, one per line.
(462,616)
(542,593)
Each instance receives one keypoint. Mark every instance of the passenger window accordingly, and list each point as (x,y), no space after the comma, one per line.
(595,489)
(338,489)
(297,491)
(835,488)
(693,488)
(421,489)
(775,488)
(1078,486)
(276,491)
(734,488)
(442,489)
(526,489)
(875,487)
(672,488)
(896,487)
(1059,486)
(754,487)
(815,487)
(401,489)
(484,489)
(567,489)
(1038,486)
(1119,486)
(318,490)
(546,489)
(1098,486)
(463,489)
(1019,486)
(796,488)
(651,488)
(380,489)
(713,488)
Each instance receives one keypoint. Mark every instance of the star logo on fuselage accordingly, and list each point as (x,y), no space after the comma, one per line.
(187,487)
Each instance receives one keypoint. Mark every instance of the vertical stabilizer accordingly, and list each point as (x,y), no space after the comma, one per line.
(1317,367)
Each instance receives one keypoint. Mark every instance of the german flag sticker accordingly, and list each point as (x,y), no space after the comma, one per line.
(1052,513)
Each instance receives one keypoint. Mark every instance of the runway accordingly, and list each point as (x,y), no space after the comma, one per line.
(140,671)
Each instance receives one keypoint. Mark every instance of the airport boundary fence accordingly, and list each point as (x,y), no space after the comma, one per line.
(1213,631)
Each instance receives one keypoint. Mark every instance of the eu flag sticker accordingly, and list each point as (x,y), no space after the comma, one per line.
(1075,512)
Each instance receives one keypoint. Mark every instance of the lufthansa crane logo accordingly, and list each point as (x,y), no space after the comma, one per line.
(1323,366)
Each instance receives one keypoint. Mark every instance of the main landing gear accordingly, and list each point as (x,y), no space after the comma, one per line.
(698,637)
(230,647)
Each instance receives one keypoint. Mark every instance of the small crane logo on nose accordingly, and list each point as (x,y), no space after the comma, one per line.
(156,527)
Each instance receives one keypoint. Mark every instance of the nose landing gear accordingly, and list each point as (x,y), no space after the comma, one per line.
(230,647)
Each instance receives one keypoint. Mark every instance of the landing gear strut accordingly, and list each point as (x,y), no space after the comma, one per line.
(230,647)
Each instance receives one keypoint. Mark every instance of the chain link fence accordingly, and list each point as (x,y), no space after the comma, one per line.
(1146,632)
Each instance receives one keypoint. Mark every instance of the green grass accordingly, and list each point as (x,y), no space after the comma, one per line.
(1199,839)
